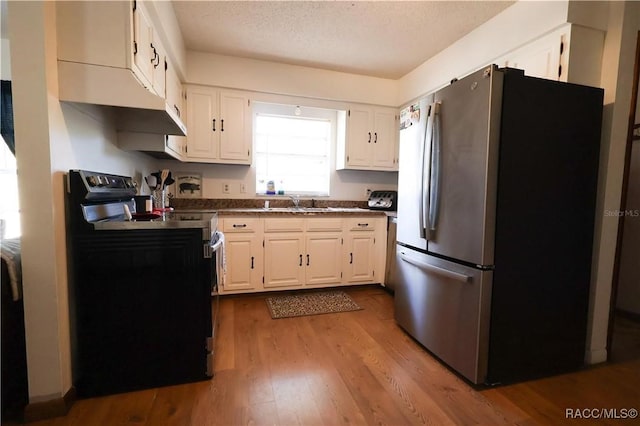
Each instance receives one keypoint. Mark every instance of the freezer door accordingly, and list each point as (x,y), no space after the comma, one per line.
(446,307)
(410,174)
(464,168)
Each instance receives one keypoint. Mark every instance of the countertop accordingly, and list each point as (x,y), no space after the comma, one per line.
(305,211)
(205,220)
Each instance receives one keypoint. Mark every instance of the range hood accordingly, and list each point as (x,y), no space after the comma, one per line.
(136,108)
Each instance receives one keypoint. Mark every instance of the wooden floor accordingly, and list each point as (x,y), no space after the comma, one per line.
(354,368)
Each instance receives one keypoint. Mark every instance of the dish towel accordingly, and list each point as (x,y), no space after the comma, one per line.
(221,261)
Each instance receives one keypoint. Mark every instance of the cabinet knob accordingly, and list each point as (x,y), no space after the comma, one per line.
(369,141)
(214,125)
(241,225)
(300,260)
(222,125)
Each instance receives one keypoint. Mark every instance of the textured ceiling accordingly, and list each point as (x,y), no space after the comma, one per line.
(378,38)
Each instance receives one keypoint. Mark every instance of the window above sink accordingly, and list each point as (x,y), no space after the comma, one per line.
(293,146)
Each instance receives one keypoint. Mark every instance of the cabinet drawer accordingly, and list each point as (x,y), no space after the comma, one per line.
(240,224)
(362,224)
(289,224)
(324,224)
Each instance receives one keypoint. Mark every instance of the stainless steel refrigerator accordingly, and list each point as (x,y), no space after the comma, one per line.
(496,207)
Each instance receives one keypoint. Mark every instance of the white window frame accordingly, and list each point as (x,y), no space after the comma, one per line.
(287,110)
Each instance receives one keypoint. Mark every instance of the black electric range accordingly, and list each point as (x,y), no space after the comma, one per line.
(139,290)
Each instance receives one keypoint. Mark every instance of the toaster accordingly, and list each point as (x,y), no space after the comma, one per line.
(383,200)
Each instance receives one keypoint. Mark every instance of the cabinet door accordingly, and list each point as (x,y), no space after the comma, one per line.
(235,129)
(202,124)
(359,138)
(176,144)
(360,257)
(385,136)
(323,259)
(283,260)
(175,93)
(542,57)
(143,49)
(158,66)
(243,262)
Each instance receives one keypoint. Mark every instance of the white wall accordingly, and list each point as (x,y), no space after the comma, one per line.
(271,77)
(345,184)
(5,60)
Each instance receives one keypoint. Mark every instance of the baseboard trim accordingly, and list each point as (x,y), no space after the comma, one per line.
(595,356)
(57,407)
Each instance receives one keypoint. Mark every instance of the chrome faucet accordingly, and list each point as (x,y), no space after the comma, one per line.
(296,200)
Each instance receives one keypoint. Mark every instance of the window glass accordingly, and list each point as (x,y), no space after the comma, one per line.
(292,148)
(9,211)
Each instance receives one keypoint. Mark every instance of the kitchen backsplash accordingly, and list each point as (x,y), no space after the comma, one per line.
(235,203)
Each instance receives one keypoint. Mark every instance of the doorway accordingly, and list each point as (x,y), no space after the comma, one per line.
(624,319)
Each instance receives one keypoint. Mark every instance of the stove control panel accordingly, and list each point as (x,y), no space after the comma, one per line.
(93,185)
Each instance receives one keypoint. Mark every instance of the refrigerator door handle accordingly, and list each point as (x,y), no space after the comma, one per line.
(435,172)
(436,269)
(425,156)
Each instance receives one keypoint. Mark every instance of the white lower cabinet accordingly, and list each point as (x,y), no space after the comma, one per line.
(243,255)
(287,253)
(323,258)
(284,264)
(302,252)
(359,257)
(360,250)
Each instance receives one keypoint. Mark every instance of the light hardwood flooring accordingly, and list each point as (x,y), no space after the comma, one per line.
(353,368)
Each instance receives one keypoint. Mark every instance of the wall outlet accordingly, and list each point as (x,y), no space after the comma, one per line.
(225,188)
(243,188)
(367,192)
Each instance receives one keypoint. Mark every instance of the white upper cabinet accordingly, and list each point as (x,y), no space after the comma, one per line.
(371,139)
(572,53)
(219,123)
(540,58)
(148,53)
(110,53)
(385,140)
(144,53)
(177,145)
(175,92)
